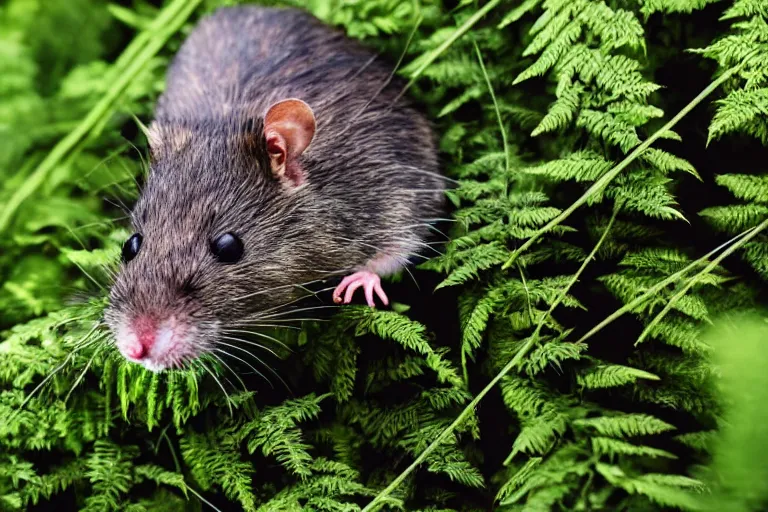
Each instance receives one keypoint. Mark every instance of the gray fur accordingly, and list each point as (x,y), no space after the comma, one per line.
(371,177)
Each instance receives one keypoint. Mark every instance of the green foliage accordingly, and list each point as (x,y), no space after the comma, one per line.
(744,108)
(737,480)
(609,396)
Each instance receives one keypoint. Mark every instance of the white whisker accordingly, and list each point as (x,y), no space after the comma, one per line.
(229,400)
(233,356)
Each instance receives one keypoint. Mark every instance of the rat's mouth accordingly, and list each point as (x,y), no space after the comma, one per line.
(158,343)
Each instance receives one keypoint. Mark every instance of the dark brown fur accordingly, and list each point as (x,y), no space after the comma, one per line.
(371,171)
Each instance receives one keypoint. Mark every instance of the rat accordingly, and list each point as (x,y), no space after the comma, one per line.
(282,153)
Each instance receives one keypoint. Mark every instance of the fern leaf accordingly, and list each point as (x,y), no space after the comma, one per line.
(553,52)
(615,447)
(477,259)
(756,253)
(562,112)
(747,187)
(625,425)
(746,8)
(606,127)
(673,6)
(741,111)
(611,375)
(616,28)
(645,193)
(579,166)
(552,353)
(665,490)
(667,163)
(518,12)
(699,441)
(539,433)
(735,218)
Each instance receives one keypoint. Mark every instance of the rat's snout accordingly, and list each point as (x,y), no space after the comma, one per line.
(156,343)
(140,344)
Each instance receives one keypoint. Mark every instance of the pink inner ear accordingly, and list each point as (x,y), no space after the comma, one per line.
(289,127)
(276,146)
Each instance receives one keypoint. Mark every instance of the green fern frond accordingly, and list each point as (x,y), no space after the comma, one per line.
(556,20)
(611,375)
(700,441)
(735,218)
(552,353)
(526,398)
(518,478)
(160,476)
(665,490)
(579,166)
(744,186)
(742,111)
(605,126)
(673,6)
(625,425)
(616,447)
(539,433)
(562,112)
(746,8)
(213,463)
(475,260)
(645,193)
(408,333)
(275,432)
(668,163)
(756,254)
(616,28)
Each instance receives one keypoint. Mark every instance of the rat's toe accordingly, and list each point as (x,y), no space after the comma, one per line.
(353,286)
(337,298)
(380,293)
(369,295)
(370,282)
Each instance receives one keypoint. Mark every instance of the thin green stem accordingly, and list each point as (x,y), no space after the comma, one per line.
(447,431)
(504,141)
(433,55)
(693,280)
(134,59)
(578,273)
(606,178)
(655,289)
(464,370)
(529,344)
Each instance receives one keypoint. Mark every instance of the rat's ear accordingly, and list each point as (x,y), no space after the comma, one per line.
(289,127)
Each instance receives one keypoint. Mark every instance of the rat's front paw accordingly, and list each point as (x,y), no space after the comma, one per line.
(370,283)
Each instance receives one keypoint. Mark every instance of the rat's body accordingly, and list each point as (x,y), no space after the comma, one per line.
(337,180)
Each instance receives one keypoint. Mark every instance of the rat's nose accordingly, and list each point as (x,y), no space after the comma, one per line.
(145,330)
(136,351)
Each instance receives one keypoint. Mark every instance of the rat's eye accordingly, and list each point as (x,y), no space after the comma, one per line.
(131,247)
(228,248)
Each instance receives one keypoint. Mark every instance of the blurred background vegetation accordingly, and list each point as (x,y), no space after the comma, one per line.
(584,273)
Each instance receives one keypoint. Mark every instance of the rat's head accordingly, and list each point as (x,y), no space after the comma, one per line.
(220,233)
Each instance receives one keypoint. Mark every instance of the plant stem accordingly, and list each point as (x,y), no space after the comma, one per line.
(693,280)
(437,52)
(653,290)
(529,344)
(170,20)
(594,189)
(504,141)
(606,178)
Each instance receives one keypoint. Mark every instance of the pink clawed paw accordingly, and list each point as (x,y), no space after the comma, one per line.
(368,280)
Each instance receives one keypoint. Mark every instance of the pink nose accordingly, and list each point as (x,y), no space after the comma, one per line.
(136,351)
(145,329)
